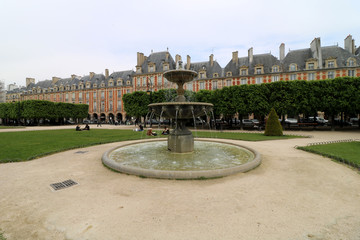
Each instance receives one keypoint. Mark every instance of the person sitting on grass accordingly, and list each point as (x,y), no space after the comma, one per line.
(150,132)
(78,128)
(141,128)
(166,131)
(87,127)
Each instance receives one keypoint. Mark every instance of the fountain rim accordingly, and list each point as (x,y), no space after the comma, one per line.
(181,103)
(194,174)
(180,70)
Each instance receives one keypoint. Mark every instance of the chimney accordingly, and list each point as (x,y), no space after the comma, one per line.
(349,44)
(211,60)
(55,80)
(29,81)
(140,58)
(106,73)
(282,52)
(92,74)
(235,57)
(250,55)
(315,47)
(166,56)
(188,62)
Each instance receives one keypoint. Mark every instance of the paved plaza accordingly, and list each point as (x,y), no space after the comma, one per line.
(292,195)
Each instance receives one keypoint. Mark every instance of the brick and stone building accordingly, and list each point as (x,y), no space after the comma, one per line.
(103,92)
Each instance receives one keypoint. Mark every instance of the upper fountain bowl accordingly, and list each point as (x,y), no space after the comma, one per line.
(180,76)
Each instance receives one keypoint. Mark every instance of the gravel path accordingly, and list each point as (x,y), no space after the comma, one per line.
(292,195)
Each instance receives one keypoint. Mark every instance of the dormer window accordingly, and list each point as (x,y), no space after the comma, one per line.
(310,66)
(102,84)
(111,83)
(202,75)
(151,67)
(138,69)
(87,85)
(229,74)
(128,82)
(258,70)
(215,75)
(119,82)
(331,62)
(67,87)
(293,67)
(351,62)
(95,85)
(73,87)
(243,71)
(275,69)
(165,67)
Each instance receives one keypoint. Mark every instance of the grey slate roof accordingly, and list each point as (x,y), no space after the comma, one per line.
(158,58)
(124,75)
(298,57)
(210,70)
(267,60)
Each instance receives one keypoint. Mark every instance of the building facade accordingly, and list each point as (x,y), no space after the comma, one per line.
(103,92)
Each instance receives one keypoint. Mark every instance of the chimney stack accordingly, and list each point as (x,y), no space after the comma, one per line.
(235,57)
(92,74)
(282,52)
(140,58)
(315,47)
(211,60)
(55,80)
(166,56)
(106,73)
(188,62)
(250,55)
(349,44)
(29,81)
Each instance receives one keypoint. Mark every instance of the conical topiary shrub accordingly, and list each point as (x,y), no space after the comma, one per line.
(273,126)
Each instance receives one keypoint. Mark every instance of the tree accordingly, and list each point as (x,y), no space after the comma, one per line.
(136,104)
(273,126)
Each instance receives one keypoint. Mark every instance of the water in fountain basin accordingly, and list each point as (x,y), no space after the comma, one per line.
(206,156)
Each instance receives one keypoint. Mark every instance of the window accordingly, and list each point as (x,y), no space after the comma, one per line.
(258,70)
(110,105)
(292,76)
(166,67)
(214,85)
(351,73)
(88,85)
(102,106)
(216,75)
(119,93)
(351,63)
(228,82)
(243,81)
(94,95)
(228,74)
(119,105)
(275,78)
(243,72)
(119,82)
(258,80)
(87,96)
(331,64)
(67,97)
(102,94)
(80,96)
(311,66)
(292,67)
(151,68)
(331,75)
(94,106)
(202,75)
(275,69)
(110,94)
(189,86)
(73,96)
(202,85)
(138,70)
(110,84)
(311,76)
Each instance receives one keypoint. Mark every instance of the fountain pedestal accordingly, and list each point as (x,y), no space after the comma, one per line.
(181,139)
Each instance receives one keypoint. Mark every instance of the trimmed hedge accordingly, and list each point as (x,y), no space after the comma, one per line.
(273,126)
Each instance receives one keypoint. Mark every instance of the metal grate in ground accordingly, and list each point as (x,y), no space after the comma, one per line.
(81,152)
(62,185)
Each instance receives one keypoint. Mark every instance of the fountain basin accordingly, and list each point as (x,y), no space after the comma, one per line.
(148,160)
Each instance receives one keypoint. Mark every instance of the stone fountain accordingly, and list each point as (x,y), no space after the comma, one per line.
(209,159)
(180,139)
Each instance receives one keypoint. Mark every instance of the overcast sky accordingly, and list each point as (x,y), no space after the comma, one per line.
(46,38)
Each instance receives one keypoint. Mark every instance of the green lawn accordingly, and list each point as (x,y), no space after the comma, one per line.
(27,145)
(347,152)
(9,127)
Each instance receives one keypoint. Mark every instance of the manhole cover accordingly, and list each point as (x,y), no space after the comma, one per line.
(64,184)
